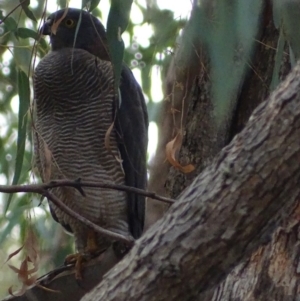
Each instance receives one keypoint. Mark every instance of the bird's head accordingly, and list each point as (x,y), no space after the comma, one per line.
(76,28)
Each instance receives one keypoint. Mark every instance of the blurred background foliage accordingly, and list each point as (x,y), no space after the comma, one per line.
(21,47)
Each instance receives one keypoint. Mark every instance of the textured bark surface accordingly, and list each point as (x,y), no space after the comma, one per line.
(199,145)
(229,210)
(271,273)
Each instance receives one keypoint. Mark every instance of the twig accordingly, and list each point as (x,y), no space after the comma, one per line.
(20,4)
(40,188)
(85,221)
(43,189)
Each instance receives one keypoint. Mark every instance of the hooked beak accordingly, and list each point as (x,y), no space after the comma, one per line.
(46,28)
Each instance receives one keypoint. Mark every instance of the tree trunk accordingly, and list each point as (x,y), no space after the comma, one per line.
(181,76)
(271,273)
(230,210)
(202,141)
(266,267)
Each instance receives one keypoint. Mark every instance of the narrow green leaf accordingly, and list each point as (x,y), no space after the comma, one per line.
(25,33)
(10,24)
(290,14)
(117,22)
(27,11)
(119,13)
(278,60)
(22,58)
(13,219)
(231,45)
(24,102)
(29,14)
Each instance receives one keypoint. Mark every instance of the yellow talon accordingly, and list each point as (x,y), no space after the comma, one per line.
(77,259)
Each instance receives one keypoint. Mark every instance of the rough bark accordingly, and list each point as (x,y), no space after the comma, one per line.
(271,273)
(229,210)
(201,141)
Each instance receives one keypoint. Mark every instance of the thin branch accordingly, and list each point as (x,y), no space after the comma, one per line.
(85,221)
(43,189)
(40,188)
(20,4)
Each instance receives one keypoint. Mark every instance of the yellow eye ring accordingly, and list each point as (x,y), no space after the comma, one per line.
(69,23)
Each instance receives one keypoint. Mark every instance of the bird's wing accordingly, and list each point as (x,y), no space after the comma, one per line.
(132,128)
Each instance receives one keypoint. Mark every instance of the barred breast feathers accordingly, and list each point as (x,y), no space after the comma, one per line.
(56,73)
(74,95)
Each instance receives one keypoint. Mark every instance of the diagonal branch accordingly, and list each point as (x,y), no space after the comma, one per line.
(70,212)
(229,210)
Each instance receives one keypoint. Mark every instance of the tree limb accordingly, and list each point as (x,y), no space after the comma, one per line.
(230,209)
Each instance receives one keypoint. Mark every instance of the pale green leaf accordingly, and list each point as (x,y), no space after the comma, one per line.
(117,22)
(24,102)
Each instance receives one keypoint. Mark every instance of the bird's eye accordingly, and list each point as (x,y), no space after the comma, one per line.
(69,23)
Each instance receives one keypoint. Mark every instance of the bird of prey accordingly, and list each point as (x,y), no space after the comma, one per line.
(75,107)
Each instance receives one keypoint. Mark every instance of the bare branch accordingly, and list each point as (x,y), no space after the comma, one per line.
(78,184)
(43,190)
(40,188)
(20,4)
(70,212)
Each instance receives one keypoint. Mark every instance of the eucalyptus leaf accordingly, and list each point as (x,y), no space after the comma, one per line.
(231,45)
(290,17)
(14,218)
(117,22)
(27,11)
(10,24)
(24,102)
(22,57)
(25,33)
(278,60)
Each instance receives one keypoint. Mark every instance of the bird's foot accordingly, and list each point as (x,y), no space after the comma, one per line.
(79,259)
(91,251)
